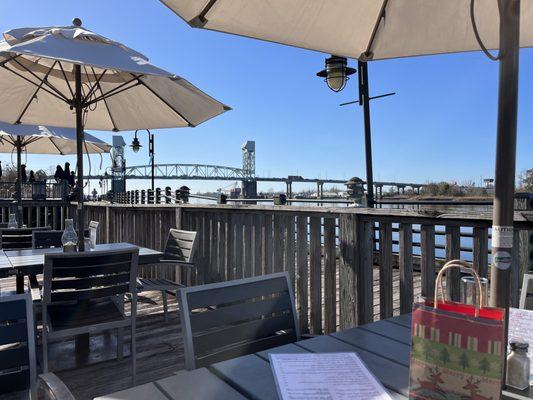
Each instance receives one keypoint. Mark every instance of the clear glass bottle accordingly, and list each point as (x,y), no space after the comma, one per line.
(12,221)
(69,238)
(518,366)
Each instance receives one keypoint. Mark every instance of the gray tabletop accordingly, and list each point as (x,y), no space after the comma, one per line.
(384,347)
(31,261)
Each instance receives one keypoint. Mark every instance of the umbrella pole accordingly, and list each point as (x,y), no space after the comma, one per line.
(18,211)
(364,100)
(503,210)
(79,152)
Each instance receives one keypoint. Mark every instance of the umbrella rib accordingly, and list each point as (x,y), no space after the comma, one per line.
(166,103)
(34,94)
(368,52)
(59,93)
(96,83)
(112,92)
(107,108)
(200,20)
(55,145)
(66,79)
(33,83)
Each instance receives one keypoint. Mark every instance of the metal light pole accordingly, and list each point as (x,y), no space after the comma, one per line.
(78,105)
(18,213)
(151,154)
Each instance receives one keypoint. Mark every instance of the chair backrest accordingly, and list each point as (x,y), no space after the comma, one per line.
(18,238)
(526,295)
(181,245)
(49,238)
(89,275)
(229,319)
(17,344)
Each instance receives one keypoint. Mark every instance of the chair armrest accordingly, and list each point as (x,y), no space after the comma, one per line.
(50,387)
(182,263)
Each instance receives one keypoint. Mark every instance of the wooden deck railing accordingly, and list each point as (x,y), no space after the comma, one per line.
(328,252)
(39,213)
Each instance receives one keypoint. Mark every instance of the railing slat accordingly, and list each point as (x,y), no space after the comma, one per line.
(268,245)
(230,248)
(289,249)
(248,246)
(315,275)
(278,243)
(427,262)
(385,270)
(453,251)
(365,272)
(258,241)
(239,248)
(330,276)
(406,268)
(480,249)
(347,275)
(302,281)
(515,270)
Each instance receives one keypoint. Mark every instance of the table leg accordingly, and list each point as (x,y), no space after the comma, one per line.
(20,283)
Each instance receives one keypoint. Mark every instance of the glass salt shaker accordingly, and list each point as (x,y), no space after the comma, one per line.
(518,366)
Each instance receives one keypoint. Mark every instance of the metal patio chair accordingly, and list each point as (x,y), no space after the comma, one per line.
(18,355)
(230,319)
(18,238)
(179,251)
(50,238)
(84,293)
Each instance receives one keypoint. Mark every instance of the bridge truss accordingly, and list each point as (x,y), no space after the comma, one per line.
(189,171)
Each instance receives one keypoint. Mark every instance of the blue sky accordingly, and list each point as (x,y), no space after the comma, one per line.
(441,125)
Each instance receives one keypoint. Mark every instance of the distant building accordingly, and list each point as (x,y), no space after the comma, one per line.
(489,183)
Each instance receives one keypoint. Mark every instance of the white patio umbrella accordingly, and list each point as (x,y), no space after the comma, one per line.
(72,77)
(382,29)
(36,139)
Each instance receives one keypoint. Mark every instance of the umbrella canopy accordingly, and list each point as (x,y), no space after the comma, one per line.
(381,29)
(123,90)
(72,77)
(362,29)
(38,139)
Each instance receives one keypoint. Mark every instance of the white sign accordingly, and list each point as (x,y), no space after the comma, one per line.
(521,329)
(331,376)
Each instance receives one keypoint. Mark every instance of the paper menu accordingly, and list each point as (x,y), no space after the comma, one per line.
(521,329)
(326,376)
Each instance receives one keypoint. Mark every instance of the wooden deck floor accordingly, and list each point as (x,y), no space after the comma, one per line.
(159,347)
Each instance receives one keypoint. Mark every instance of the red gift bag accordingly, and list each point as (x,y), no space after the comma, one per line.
(457,350)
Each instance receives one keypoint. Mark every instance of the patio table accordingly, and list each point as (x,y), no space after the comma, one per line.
(31,261)
(384,347)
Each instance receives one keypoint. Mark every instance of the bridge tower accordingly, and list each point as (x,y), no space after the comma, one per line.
(249,184)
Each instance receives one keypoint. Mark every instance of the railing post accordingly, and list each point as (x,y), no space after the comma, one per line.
(168,192)
(347,273)
(136,199)
(427,259)
(150,196)
(406,268)
(143,196)
(453,251)
(158,195)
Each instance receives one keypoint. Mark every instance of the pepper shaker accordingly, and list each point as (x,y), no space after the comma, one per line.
(518,366)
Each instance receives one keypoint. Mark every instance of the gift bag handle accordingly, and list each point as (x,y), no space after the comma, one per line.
(463,265)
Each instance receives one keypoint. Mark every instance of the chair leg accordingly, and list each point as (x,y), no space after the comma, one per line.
(120,344)
(45,350)
(165,304)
